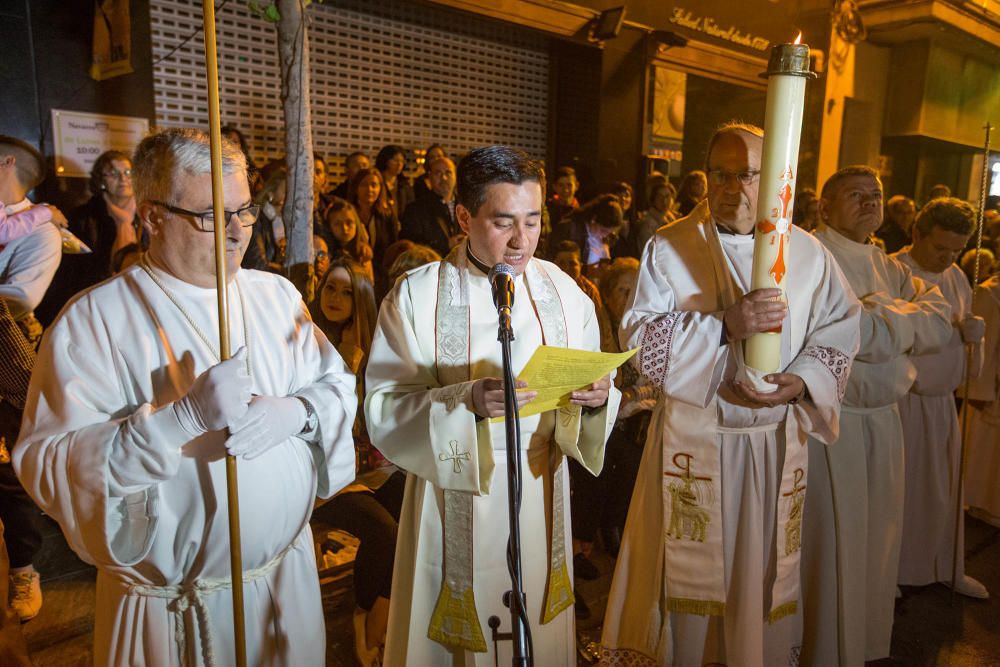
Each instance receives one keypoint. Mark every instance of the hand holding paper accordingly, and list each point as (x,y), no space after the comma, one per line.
(556,373)
(594,396)
(488,397)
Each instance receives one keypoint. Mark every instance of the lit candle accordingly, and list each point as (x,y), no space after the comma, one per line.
(787,71)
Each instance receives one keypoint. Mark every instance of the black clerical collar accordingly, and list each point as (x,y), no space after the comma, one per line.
(726,230)
(476,262)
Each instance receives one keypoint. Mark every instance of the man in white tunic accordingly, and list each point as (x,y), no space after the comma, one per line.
(931,434)
(708,567)
(28,263)
(124,435)
(432,389)
(982,468)
(854,514)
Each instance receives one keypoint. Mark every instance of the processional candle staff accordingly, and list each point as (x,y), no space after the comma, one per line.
(787,71)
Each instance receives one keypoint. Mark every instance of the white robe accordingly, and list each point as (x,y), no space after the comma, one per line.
(689,273)
(982,466)
(116,354)
(933,443)
(853,515)
(408,422)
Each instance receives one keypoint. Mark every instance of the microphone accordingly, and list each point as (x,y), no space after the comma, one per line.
(501,277)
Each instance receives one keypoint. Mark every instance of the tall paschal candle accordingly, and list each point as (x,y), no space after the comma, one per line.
(787,71)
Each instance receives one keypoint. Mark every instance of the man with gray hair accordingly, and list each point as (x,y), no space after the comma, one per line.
(130,414)
(708,570)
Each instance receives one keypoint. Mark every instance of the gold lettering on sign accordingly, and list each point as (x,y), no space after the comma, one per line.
(685,18)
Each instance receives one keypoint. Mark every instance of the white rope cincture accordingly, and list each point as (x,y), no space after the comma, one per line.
(190,596)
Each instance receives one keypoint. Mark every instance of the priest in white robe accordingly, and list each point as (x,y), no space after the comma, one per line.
(982,466)
(124,436)
(853,518)
(432,389)
(931,434)
(708,570)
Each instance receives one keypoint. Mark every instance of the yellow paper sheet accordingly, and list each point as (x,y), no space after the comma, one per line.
(556,372)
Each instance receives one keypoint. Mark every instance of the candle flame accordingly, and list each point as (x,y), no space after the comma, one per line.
(798,40)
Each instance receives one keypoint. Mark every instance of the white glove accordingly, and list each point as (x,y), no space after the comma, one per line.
(973,329)
(269,421)
(217,398)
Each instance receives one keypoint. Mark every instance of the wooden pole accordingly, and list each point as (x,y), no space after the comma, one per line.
(232,487)
(970,348)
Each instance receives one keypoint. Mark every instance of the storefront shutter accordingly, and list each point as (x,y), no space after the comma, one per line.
(385,72)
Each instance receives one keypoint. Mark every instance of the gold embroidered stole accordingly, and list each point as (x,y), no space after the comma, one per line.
(694,562)
(455,621)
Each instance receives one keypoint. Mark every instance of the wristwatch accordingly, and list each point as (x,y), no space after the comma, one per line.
(312,420)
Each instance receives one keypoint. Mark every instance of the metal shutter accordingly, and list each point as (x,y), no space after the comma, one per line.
(381,72)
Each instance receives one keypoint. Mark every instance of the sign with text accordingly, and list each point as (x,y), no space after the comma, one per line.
(720,29)
(79,138)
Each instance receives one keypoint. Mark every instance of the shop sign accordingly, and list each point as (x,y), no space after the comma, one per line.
(685,18)
(79,138)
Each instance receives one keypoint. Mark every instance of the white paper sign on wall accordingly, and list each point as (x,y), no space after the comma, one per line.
(79,138)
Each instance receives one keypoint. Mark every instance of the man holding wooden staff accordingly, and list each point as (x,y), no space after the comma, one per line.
(932,437)
(130,416)
(708,567)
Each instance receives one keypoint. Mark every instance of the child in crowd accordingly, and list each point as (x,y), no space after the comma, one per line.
(349,237)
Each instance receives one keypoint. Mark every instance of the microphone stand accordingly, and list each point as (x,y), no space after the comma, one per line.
(514,598)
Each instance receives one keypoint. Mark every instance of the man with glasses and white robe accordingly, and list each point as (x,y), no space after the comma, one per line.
(708,567)
(125,432)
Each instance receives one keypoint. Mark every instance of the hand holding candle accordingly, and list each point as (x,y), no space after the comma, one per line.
(787,71)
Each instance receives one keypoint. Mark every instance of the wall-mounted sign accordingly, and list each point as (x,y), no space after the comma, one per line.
(686,18)
(80,138)
(112,40)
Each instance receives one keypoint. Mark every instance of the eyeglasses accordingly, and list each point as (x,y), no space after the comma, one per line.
(721,176)
(118,175)
(247,215)
(322,254)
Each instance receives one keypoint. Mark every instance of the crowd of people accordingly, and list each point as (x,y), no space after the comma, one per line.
(687,470)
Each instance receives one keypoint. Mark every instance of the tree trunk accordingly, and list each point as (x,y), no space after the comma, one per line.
(293,53)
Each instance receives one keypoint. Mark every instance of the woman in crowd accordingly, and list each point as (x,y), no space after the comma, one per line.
(262,253)
(693,189)
(107,223)
(422,185)
(369,508)
(367,193)
(370,198)
(660,212)
(391,161)
(346,235)
(594,228)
